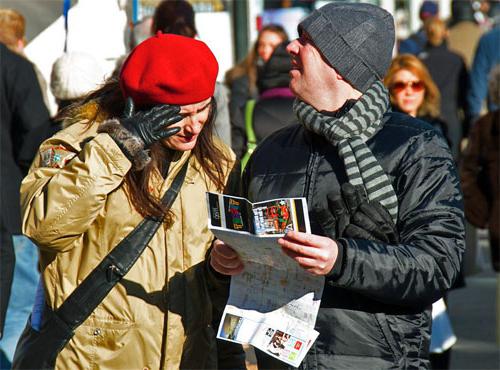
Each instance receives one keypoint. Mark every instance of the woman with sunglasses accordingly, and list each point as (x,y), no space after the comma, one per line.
(413,91)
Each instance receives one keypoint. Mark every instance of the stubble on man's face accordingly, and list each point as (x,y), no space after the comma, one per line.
(313,78)
(310,73)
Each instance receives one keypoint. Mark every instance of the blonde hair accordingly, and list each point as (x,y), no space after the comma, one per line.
(12,28)
(435,29)
(432,98)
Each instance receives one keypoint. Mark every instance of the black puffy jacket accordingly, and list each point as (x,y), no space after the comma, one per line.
(376,306)
(269,115)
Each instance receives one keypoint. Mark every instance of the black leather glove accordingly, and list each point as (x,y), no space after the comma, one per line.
(135,132)
(372,221)
(151,125)
(334,219)
(352,215)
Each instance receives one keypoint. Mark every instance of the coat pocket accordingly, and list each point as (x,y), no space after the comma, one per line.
(354,333)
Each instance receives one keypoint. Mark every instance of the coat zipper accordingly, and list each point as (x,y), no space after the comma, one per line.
(309,176)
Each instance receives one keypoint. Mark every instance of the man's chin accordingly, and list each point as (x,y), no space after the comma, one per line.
(294,90)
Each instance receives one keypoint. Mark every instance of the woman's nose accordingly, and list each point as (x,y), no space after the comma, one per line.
(266,53)
(408,90)
(193,125)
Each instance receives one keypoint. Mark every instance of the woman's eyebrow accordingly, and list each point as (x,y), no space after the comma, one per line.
(205,107)
(198,111)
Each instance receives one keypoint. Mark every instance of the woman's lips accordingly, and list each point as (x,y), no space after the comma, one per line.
(409,100)
(187,139)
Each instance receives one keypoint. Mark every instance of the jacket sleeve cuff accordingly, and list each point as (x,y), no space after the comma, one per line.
(215,279)
(218,287)
(338,267)
(131,145)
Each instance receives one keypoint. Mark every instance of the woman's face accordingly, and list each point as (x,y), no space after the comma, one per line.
(407,92)
(195,117)
(267,43)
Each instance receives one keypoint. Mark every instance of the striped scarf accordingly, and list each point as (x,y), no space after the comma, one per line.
(350,133)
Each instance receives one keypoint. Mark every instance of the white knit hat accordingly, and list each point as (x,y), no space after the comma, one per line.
(75,74)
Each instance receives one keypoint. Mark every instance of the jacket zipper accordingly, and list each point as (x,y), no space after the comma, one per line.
(309,176)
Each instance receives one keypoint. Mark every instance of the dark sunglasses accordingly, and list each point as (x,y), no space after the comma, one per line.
(416,86)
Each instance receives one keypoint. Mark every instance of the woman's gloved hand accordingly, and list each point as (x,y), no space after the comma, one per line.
(137,131)
(151,125)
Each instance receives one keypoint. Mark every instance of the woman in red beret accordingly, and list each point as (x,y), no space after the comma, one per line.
(97,179)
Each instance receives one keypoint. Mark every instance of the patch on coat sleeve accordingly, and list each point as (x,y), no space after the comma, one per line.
(56,157)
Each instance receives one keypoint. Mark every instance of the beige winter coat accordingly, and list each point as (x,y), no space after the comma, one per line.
(75,208)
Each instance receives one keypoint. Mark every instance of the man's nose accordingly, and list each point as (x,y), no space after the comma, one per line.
(293,47)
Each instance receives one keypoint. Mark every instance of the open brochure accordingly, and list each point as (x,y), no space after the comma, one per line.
(274,303)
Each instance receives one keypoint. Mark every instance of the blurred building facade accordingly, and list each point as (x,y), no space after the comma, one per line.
(102,27)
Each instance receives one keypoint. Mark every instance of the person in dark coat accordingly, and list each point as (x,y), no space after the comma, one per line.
(415,43)
(25,123)
(486,57)
(449,72)
(241,80)
(402,247)
(273,108)
(479,172)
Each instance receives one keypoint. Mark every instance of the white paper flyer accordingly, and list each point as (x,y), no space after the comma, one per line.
(274,303)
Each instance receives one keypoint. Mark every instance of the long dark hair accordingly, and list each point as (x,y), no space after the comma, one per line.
(108,102)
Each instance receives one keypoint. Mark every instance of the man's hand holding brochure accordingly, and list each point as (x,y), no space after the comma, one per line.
(273,302)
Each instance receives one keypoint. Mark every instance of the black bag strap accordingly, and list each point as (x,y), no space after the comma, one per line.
(96,286)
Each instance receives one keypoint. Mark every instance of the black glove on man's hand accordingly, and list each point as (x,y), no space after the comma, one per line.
(372,221)
(334,219)
(151,125)
(352,215)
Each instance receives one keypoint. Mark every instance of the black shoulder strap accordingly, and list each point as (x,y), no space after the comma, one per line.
(96,286)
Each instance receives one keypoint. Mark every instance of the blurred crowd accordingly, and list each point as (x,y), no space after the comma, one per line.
(447,74)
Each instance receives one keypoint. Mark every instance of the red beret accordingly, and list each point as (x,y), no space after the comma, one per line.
(169,69)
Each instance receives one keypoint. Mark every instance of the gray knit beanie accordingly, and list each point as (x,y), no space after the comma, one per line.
(355,38)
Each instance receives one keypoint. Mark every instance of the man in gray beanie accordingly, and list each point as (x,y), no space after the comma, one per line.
(383,193)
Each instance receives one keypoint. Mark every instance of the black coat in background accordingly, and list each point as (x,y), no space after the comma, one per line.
(449,72)
(274,106)
(25,123)
(480,175)
(269,115)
